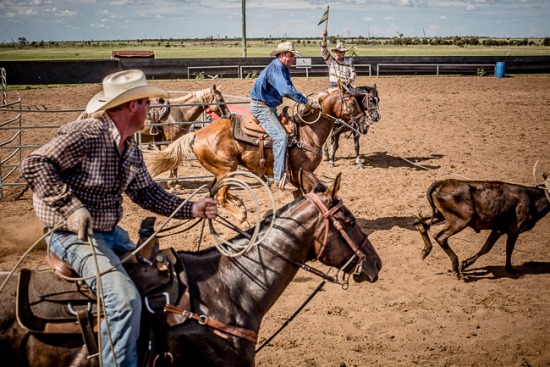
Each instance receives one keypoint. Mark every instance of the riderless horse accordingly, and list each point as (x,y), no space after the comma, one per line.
(221,147)
(368,99)
(202,308)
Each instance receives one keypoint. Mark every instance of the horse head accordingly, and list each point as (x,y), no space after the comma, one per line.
(368,99)
(342,104)
(340,242)
(219,106)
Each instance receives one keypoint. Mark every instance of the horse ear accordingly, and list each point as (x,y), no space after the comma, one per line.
(334,190)
(307,181)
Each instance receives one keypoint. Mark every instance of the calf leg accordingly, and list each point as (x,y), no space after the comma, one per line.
(491,240)
(443,239)
(510,244)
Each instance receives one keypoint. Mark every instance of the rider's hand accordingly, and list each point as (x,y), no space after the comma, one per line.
(205,208)
(81,223)
(313,104)
(325,33)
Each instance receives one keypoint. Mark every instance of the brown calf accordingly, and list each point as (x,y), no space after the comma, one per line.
(501,207)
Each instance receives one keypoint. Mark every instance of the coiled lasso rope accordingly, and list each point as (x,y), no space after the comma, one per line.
(228,248)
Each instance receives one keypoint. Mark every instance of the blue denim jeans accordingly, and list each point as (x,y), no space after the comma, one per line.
(270,122)
(122,299)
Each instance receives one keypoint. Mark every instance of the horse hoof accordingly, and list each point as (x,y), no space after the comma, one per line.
(359,166)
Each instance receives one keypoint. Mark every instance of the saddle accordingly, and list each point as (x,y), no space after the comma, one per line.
(48,304)
(247,129)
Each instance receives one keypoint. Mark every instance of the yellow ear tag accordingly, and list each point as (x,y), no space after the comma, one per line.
(131,168)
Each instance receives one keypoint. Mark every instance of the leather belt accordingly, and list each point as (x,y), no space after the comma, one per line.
(259,102)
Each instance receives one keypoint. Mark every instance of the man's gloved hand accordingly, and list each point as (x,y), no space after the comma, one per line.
(81,223)
(313,104)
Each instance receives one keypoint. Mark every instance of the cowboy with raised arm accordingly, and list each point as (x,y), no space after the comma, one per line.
(339,67)
(78,179)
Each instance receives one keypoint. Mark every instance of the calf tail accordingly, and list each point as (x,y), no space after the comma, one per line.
(423,225)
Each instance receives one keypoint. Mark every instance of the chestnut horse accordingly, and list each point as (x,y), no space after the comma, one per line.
(235,292)
(368,100)
(218,152)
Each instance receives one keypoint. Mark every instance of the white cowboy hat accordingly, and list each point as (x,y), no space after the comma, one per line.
(287,46)
(340,47)
(121,87)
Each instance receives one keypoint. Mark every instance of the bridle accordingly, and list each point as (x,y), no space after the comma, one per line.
(371,104)
(328,215)
(217,98)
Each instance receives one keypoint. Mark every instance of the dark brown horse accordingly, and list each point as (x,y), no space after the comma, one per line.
(231,291)
(368,99)
(220,153)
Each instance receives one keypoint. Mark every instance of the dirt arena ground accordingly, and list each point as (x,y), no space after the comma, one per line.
(418,313)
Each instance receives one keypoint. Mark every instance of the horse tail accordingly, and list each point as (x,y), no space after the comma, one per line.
(171,157)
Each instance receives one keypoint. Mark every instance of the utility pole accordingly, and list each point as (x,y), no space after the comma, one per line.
(244,27)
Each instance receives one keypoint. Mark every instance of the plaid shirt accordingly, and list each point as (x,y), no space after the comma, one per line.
(345,71)
(81,166)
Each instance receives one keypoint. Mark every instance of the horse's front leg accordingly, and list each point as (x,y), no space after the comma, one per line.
(334,144)
(358,163)
(232,203)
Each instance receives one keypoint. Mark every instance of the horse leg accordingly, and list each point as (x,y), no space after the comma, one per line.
(358,164)
(325,151)
(174,184)
(334,147)
(232,203)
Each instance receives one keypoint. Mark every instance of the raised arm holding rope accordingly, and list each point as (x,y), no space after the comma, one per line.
(80,176)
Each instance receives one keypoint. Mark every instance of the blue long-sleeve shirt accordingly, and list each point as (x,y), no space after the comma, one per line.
(273,84)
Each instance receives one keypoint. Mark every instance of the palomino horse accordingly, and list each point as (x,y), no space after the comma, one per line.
(168,112)
(194,104)
(220,153)
(368,100)
(227,297)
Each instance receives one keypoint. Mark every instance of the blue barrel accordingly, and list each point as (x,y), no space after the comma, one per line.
(500,69)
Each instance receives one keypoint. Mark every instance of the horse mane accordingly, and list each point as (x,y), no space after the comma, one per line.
(361,90)
(212,251)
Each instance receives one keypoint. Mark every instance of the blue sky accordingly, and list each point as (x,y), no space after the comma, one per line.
(83,20)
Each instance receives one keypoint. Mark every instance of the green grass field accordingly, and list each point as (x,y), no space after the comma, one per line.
(224,49)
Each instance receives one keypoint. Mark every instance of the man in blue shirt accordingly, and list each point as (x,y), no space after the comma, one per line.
(267,94)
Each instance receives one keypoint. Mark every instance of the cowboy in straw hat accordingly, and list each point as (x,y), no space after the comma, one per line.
(267,94)
(78,179)
(339,67)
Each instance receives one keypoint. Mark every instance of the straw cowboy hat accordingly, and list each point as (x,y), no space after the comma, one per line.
(287,46)
(340,47)
(121,87)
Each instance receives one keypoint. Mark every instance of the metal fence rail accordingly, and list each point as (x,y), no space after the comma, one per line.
(12,144)
(430,68)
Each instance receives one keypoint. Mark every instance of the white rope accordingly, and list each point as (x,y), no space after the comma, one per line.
(228,248)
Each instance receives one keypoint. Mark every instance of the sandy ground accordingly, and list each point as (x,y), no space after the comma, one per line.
(418,313)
